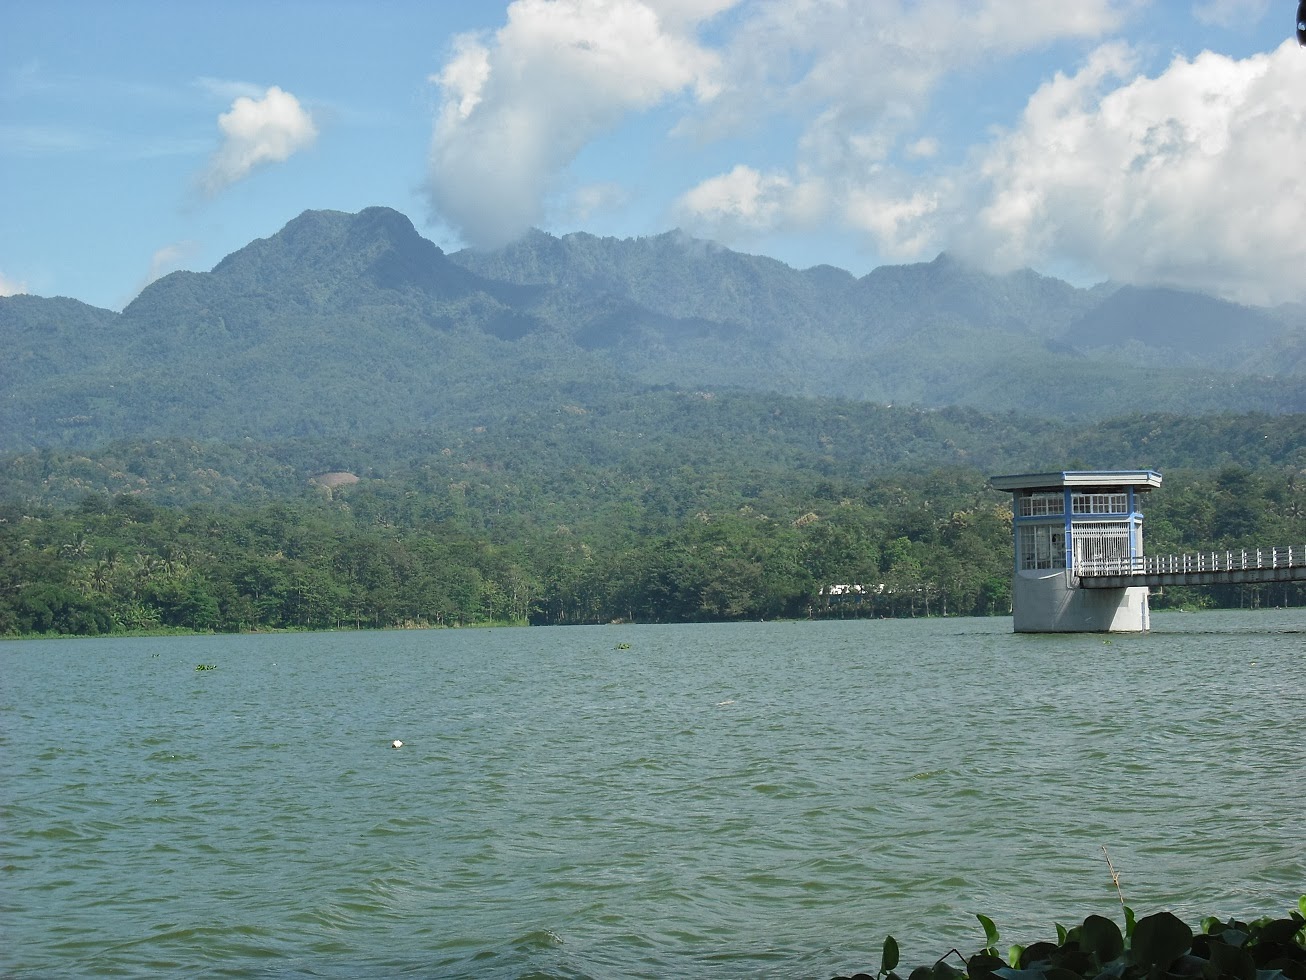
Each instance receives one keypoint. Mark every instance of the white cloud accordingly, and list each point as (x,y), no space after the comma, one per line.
(747,202)
(857,78)
(688,12)
(903,224)
(11,287)
(868,68)
(257,132)
(1191,179)
(517,107)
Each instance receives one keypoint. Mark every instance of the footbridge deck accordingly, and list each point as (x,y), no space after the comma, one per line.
(1204,568)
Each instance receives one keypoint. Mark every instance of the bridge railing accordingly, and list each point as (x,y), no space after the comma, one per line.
(1204,561)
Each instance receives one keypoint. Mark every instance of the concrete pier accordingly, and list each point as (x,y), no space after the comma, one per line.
(1055,603)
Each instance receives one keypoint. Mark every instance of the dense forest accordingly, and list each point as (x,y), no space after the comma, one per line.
(698,545)
(341,426)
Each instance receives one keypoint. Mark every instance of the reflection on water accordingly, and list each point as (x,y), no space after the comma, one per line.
(745,800)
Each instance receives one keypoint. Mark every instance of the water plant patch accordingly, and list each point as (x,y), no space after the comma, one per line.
(1156,947)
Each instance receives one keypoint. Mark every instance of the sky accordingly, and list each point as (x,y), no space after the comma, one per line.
(1139,141)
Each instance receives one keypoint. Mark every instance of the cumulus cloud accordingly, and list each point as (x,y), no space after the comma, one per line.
(1191,179)
(746,201)
(903,221)
(519,105)
(257,132)
(858,73)
(11,287)
(857,79)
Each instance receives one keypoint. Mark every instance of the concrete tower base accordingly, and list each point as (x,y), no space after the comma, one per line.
(1050,602)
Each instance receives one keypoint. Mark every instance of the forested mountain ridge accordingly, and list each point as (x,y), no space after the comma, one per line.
(46,337)
(678,276)
(322,262)
(347,325)
(675,275)
(337,325)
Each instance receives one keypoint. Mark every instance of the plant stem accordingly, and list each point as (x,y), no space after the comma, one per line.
(1115,876)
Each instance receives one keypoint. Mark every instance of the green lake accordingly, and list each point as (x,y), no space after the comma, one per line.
(750,800)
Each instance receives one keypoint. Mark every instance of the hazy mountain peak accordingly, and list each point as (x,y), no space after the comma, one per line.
(362,306)
(333,239)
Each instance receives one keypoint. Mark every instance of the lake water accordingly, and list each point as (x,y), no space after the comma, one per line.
(752,800)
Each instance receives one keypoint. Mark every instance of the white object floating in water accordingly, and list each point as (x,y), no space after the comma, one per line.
(396,744)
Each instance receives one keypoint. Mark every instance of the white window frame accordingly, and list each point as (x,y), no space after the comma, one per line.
(1042,504)
(1040,546)
(1099,503)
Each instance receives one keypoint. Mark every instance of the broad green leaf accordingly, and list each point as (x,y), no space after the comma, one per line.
(1277,931)
(1101,937)
(990,930)
(1038,953)
(889,959)
(1159,940)
(982,964)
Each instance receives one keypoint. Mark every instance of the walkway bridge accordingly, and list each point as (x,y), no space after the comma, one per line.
(1204,568)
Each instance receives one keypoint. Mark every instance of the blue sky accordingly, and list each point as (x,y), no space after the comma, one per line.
(1146,142)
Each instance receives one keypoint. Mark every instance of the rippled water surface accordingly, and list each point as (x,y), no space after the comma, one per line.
(636,801)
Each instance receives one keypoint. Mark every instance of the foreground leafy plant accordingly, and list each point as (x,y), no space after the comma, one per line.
(1155,947)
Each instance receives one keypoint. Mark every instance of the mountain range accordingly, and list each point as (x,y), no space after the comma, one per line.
(347,324)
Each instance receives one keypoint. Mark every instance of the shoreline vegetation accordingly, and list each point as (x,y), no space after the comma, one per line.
(163,631)
(380,555)
(183,631)
(1156,947)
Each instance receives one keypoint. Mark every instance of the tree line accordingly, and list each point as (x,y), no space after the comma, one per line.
(699,549)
